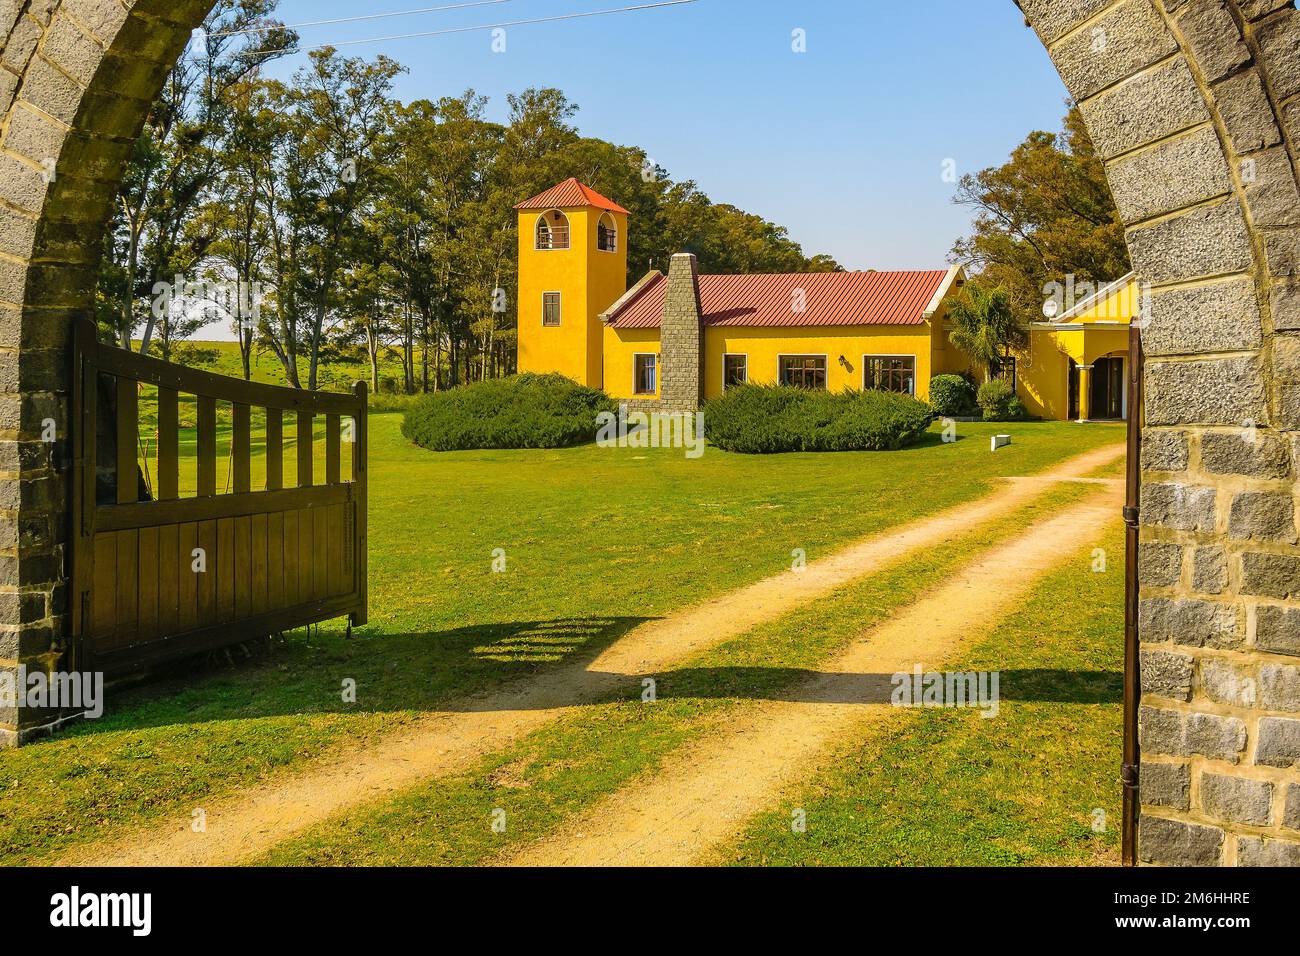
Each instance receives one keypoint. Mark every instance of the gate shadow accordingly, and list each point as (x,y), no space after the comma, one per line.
(458,669)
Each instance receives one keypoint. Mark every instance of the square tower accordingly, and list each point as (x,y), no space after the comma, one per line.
(572,267)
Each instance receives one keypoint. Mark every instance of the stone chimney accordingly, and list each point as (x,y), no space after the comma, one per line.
(681,338)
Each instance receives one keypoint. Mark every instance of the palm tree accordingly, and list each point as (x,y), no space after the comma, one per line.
(985,326)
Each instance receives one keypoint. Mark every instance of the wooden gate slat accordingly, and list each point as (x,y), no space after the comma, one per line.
(125,613)
(274,449)
(243,561)
(168,464)
(334,562)
(304,449)
(128,440)
(103,604)
(207,446)
(225,577)
(333,449)
(205,581)
(147,583)
(306,552)
(320,554)
(187,580)
(241,449)
(170,568)
(259,545)
(275,589)
(291,551)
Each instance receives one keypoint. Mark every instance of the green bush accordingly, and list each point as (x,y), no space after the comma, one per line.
(952,395)
(999,402)
(758,419)
(523,411)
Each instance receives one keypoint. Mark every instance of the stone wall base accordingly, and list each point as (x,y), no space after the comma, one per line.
(25,735)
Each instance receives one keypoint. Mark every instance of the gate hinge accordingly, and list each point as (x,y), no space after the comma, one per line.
(1131,513)
(1128,775)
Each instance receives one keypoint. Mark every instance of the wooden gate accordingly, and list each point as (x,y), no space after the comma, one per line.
(162,568)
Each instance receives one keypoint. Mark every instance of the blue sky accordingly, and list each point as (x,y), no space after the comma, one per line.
(844,144)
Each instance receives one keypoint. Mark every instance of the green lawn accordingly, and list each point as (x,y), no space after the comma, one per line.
(565,768)
(595,540)
(951,788)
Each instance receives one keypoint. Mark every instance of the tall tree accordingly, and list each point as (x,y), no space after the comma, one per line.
(334,117)
(175,160)
(1045,214)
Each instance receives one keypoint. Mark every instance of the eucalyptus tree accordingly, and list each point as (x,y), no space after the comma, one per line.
(174,163)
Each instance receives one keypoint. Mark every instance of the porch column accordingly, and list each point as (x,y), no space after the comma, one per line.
(1085,392)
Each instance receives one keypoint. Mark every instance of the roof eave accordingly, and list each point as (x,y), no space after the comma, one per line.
(942,292)
(1096,297)
(630,296)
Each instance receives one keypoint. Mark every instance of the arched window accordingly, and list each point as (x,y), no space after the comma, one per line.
(607,234)
(553,230)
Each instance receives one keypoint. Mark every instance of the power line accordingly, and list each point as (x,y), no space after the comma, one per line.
(493,26)
(368,16)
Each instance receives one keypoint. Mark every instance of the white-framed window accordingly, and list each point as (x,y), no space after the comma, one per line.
(645,373)
(735,369)
(550,309)
(607,234)
(802,371)
(552,231)
(889,373)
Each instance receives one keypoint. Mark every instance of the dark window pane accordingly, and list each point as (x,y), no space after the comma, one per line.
(803,371)
(550,308)
(735,370)
(889,373)
(644,369)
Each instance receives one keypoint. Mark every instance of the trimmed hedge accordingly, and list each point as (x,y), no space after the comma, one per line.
(760,419)
(1000,403)
(952,395)
(522,411)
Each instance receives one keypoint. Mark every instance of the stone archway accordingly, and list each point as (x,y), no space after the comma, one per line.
(1195,105)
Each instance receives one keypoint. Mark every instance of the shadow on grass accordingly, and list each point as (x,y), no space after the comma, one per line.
(799,685)
(454,670)
(303,674)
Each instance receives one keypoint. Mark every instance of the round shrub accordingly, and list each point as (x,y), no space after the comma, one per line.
(952,395)
(999,402)
(523,411)
(760,419)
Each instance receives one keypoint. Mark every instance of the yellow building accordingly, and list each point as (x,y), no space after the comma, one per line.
(1076,366)
(572,265)
(675,340)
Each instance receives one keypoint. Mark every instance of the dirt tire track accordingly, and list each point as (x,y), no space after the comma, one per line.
(708,790)
(247,823)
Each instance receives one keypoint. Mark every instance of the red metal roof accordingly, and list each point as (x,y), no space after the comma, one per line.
(569,194)
(829,298)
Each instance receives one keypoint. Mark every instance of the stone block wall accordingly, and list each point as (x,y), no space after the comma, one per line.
(76,77)
(681,338)
(1195,107)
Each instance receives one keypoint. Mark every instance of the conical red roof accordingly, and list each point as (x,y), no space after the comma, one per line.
(568,195)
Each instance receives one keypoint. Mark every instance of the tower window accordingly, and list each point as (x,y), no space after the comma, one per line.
(607,234)
(553,230)
(551,308)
